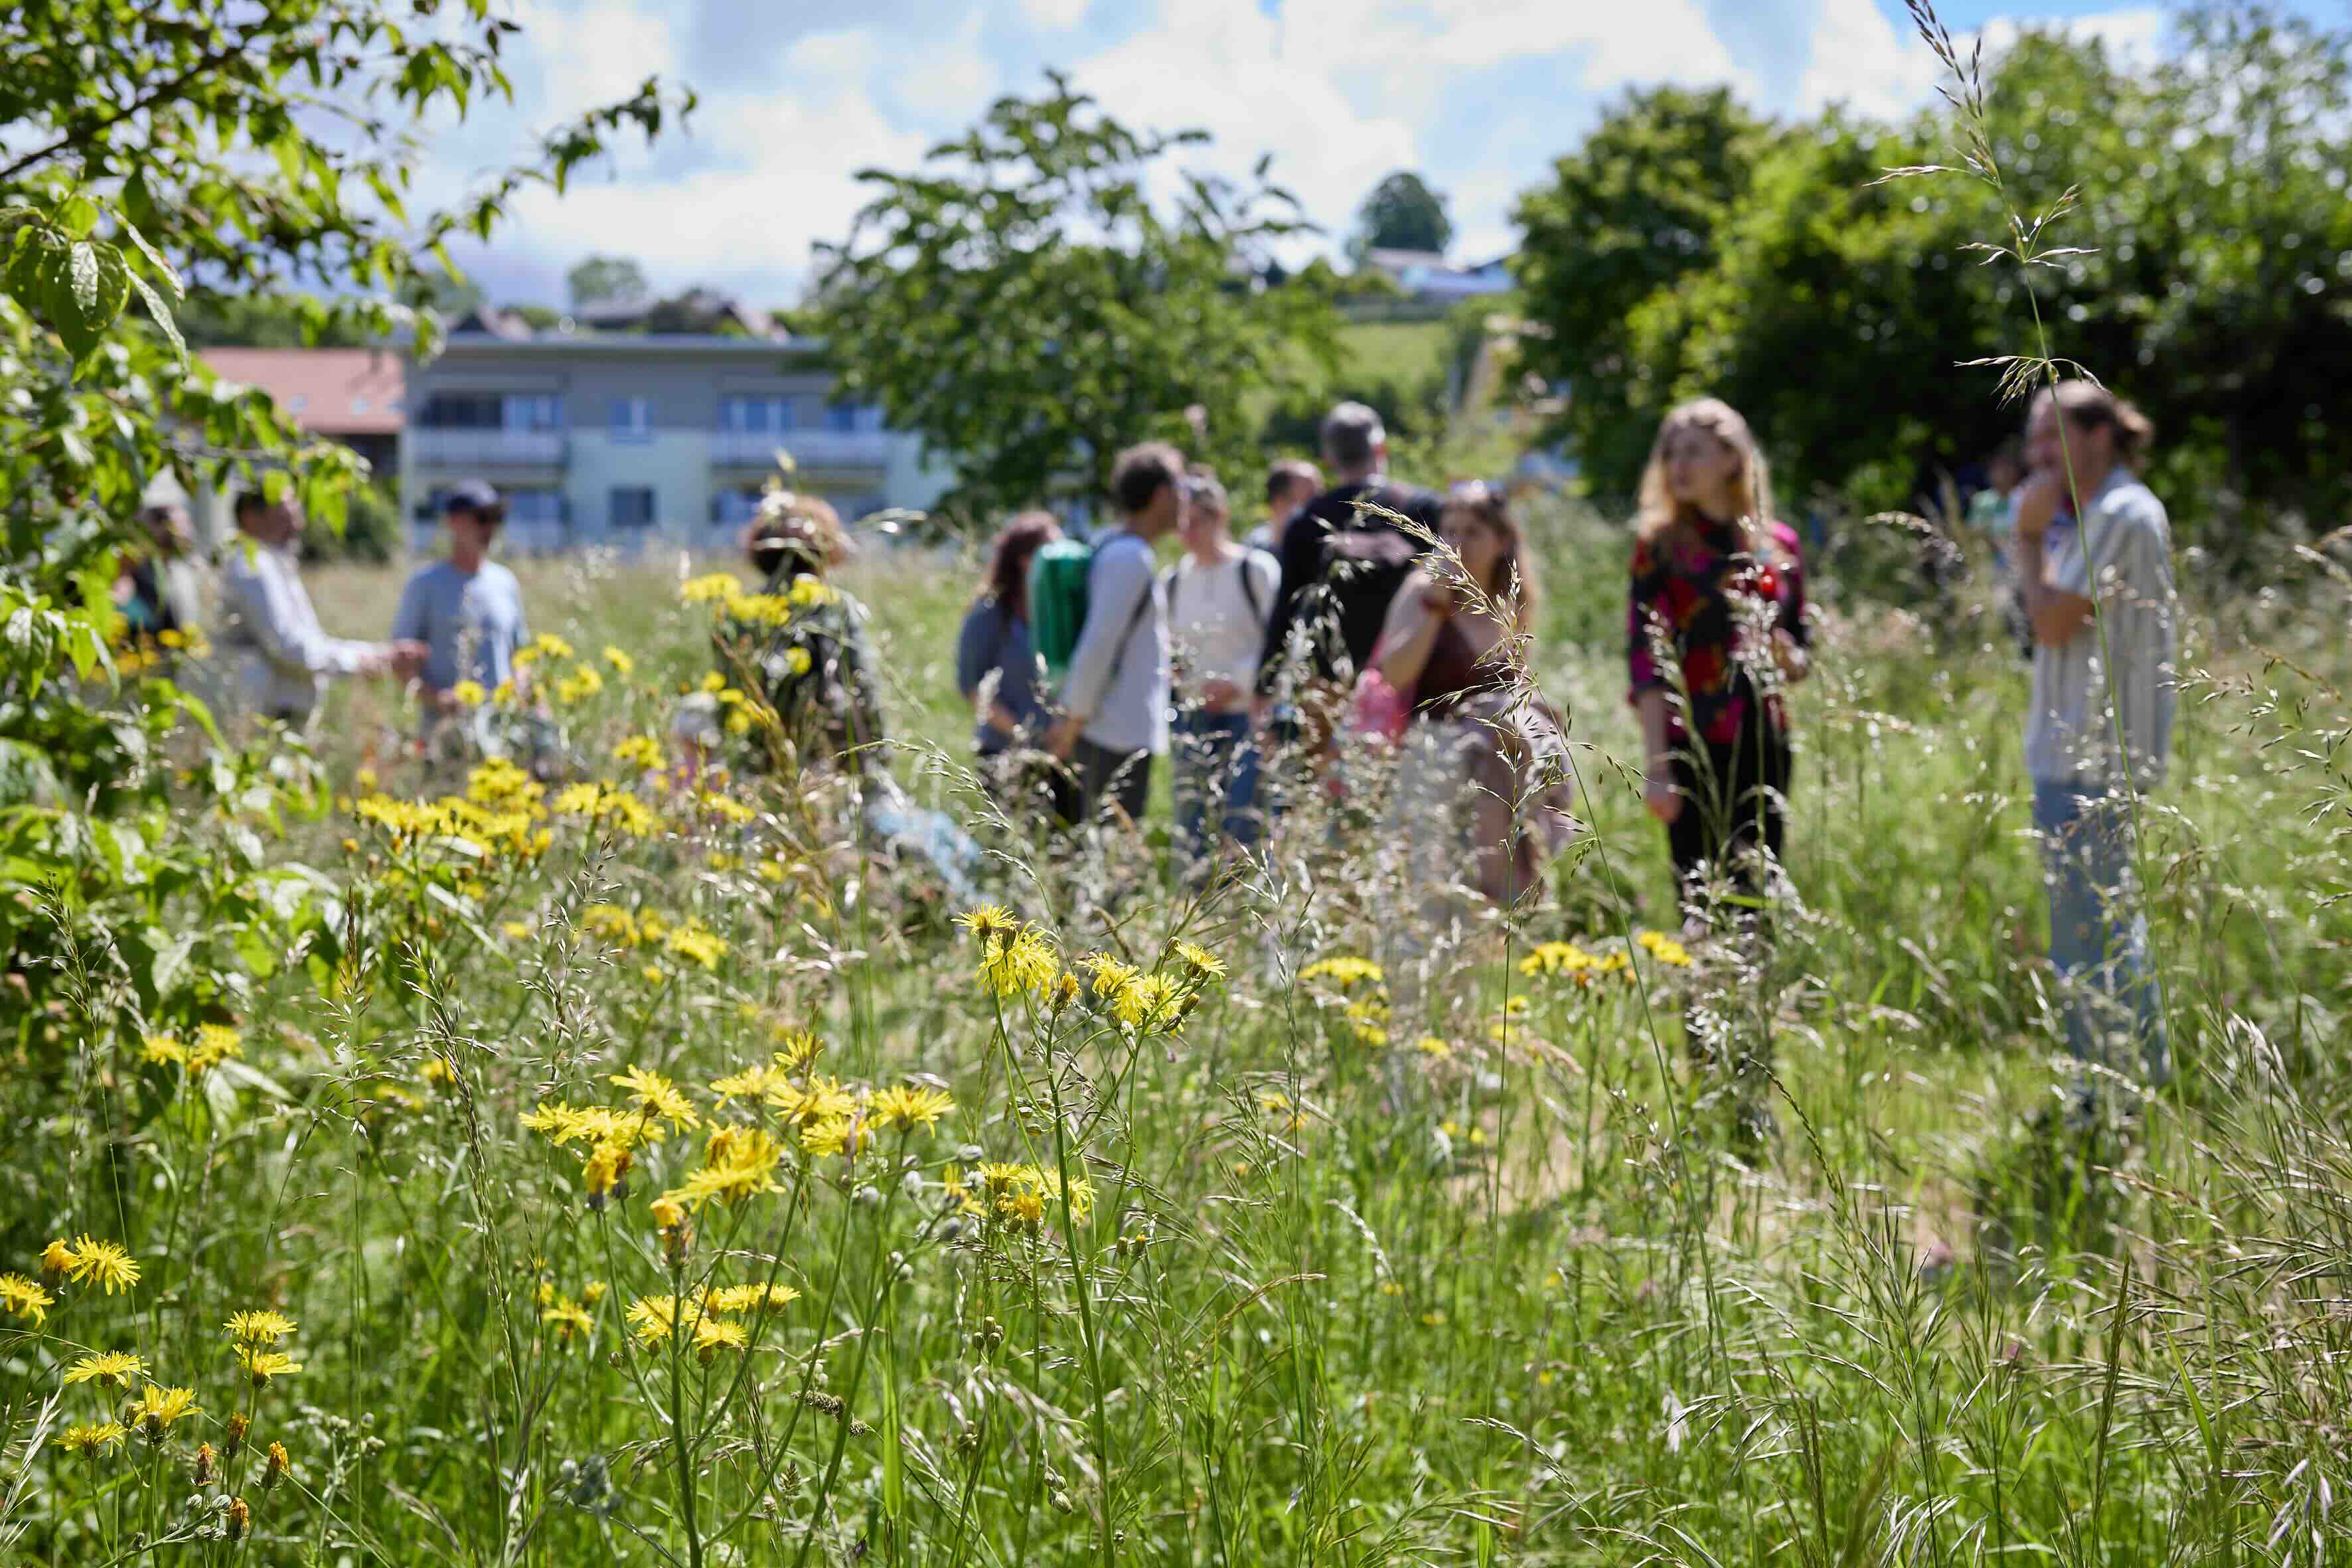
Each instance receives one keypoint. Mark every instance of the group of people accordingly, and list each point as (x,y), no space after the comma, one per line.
(1340,597)
(1247,648)
(1362,604)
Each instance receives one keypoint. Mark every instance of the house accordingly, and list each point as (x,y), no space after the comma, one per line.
(632,440)
(1427,277)
(351,395)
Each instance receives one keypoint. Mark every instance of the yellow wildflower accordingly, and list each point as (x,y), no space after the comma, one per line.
(91,1440)
(164,1050)
(641,750)
(158,1408)
(704,947)
(738,1162)
(115,1368)
(623,665)
(909,1107)
(710,588)
(751,1298)
(837,1135)
(262,1365)
(1345,971)
(712,1335)
(1203,965)
(651,1091)
(264,1327)
(655,1318)
(468,694)
(1023,962)
(550,645)
(989,922)
(570,1319)
(101,1263)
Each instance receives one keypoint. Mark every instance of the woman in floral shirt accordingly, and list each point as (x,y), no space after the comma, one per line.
(1714,631)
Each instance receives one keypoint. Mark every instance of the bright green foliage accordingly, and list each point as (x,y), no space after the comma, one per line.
(1025,302)
(2207,272)
(250,149)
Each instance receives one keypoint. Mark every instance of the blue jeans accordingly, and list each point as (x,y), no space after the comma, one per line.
(2098,935)
(1216,774)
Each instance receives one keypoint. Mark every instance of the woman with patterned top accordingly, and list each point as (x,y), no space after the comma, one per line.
(1714,631)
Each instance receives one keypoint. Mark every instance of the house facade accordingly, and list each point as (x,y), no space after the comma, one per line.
(634,441)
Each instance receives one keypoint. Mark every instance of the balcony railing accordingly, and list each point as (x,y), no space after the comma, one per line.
(810,448)
(488,449)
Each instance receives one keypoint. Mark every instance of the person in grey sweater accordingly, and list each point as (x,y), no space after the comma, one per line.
(1113,700)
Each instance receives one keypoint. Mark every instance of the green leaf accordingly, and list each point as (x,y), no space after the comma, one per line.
(161,314)
(171,274)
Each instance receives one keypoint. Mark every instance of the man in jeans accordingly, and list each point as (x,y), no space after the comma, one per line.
(2098,595)
(1114,699)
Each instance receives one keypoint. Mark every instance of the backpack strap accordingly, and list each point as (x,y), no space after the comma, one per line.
(1119,655)
(1249,589)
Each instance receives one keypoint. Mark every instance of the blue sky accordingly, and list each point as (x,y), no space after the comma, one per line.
(1478,95)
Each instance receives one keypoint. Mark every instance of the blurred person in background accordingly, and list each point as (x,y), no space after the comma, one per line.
(1715,630)
(1114,699)
(1218,597)
(2099,598)
(1481,783)
(996,662)
(160,589)
(1290,484)
(465,608)
(280,659)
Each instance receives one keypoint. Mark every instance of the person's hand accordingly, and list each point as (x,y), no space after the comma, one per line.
(2036,505)
(1438,600)
(447,701)
(1219,693)
(404,658)
(1062,738)
(1001,719)
(1661,795)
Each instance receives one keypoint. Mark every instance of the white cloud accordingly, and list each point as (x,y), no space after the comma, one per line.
(1476,94)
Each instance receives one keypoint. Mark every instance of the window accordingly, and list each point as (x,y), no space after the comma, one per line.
(531,411)
(461,411)
(631,505)
(755,415)
(735,508)
(633,419)
(536,506)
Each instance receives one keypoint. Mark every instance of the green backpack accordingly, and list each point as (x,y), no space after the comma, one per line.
(1057,601)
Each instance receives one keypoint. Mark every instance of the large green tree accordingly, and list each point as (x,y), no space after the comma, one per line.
(1628,215)
(1402,214)
(1049,287)
(2194,260)
(606,280)
(237,151)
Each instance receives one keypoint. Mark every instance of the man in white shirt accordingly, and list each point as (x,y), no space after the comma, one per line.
(1114,699)
(1218,598)
(2099,598)
(280,658)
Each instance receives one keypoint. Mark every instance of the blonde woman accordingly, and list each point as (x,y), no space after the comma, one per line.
(1715,630)
(1480,783)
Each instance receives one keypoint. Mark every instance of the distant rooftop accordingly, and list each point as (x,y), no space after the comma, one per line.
(333,392)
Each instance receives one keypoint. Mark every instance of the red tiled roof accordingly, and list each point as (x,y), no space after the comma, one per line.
(334,392)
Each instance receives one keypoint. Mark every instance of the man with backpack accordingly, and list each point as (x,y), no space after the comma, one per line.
(1218,597)
(1114,697)
(1341,560)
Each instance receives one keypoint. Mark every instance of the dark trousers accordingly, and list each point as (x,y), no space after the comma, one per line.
(1098,778)
(1734,801)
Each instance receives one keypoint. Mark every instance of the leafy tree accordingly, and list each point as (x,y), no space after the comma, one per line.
(1023,302)
(605,281)
(247,149)
(1626,217)
(1402,214)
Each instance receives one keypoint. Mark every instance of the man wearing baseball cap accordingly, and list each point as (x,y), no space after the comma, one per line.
(465,608)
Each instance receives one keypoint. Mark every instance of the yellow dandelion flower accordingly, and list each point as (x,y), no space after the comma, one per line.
(649,1091)
(606,1164)
(592,1291)
(1556,958)
(710,588)
(1431,1046)
(1345,971)
(909,1107)
(115,1368)
(713,1334)
(654,1318)
(89,1441)
(550,645)
(989,922)
(1023,962)
(468,694)
(24,1299)
(158,1408)
(623,665)
(264,1327)
(740,1163)
(796,1048)
(261,1366)
(837,1135)
(692,942)
(570,1321)
(57,1261)
(164,1050)
(726,808)
(1202,963)
(102,1263)
(751,1298)
(436,1070)
(643,750)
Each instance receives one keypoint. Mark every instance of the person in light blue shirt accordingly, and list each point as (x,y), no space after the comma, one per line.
(465,608)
